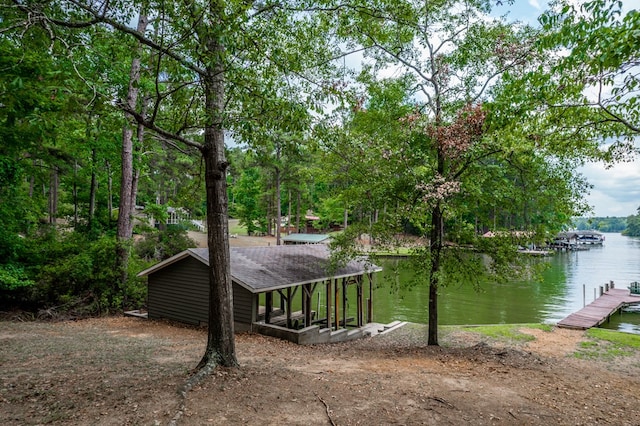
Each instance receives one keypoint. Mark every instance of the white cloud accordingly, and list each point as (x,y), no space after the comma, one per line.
(535,4)
(616,191)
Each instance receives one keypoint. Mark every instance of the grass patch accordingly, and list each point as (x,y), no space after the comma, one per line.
(237,229)
(507,332)
(615,337)
(607,344)
(398,251)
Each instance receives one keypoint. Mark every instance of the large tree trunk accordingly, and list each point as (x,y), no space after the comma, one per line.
(436,239)
(435,244)
(128,188)
(220,348)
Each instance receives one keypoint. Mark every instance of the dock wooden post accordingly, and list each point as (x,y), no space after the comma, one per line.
(606,287)
(328,288)
(359,301)
(370,300)
(288,302)
(584,295)
(601,290)
(612,284)
(337,304)
(344,302)
(306,297)
(269,302)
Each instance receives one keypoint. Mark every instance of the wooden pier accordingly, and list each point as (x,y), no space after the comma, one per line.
(600,309)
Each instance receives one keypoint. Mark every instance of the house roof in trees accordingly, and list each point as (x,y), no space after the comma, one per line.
(262,269)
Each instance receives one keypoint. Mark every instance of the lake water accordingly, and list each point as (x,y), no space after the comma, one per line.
(571,280)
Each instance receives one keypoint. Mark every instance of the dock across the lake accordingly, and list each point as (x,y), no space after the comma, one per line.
(600,309)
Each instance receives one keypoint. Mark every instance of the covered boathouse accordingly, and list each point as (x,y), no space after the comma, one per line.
(263,277)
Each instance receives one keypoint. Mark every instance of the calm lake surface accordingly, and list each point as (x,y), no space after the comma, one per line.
(559,292)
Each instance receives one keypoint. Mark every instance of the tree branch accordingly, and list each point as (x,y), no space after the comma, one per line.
(160,131)
(100,17)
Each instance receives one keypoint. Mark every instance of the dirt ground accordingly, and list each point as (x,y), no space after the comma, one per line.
(118,371)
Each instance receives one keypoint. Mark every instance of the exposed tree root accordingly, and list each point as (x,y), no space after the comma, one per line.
(326,406)
(201,373)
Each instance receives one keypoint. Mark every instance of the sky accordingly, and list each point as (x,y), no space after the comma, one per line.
(616,191)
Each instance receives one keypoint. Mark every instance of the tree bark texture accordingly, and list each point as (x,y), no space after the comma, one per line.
(220,348)
(435,253)
(128,183)
(53,195)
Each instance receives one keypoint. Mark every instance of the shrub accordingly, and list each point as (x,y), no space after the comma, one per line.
(160,245)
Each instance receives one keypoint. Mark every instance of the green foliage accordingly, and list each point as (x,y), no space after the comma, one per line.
(330,211)
(13,277)
(160,245)
(56,269)
(633,226)
(592,82)
(73,265)
(246,195)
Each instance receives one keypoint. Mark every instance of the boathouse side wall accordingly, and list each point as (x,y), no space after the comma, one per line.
(180,292)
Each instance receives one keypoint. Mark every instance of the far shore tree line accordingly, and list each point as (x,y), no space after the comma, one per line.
(625,225)
(454,122)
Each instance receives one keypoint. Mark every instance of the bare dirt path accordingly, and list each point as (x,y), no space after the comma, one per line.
(235,240)
(115,371)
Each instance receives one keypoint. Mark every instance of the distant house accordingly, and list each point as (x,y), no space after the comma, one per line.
(178,289)
(309,220)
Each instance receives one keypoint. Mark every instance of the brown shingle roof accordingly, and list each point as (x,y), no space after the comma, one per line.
(261,269)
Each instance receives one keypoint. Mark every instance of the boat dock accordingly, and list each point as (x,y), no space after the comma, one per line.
(600,309)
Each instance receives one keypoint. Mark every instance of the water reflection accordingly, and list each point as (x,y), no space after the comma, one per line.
(570,281)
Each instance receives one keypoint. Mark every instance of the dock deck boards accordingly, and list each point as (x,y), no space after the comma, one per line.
(599,310)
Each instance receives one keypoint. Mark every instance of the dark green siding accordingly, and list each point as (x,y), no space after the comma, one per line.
(180,292)
(243,306)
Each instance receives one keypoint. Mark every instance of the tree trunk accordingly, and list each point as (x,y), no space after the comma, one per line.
(109,191)
(289,214)
(128,189)
(93,188)
(278,220)
(278,195)
(75,194)
(32,179)
(53,195)
(435,245)
(345,220)
(298,201)
(220,348)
